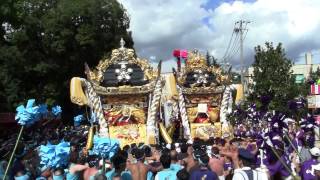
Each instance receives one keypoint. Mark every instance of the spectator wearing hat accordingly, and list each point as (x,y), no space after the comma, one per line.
(316,171)
(306,168)
(203,172)
(244,170)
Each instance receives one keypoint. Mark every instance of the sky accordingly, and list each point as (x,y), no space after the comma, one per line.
(160,26)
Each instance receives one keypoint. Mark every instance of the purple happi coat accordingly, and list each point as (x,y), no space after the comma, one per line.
(306,169)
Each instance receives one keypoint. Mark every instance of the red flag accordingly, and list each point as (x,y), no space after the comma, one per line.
(176,53)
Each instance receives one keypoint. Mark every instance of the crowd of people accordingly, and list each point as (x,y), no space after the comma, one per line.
(239,156)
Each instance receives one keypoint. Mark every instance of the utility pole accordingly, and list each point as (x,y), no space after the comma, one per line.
(241,29)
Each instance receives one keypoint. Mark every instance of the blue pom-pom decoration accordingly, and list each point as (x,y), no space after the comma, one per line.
(105,147)
(56,111)
(78,119)
(30,114)
(54,156)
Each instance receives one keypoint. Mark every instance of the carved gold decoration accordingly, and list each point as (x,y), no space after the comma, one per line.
(192,114)
(125,90)
(194,99)
(203,90)
(196,61)
(128,134)
(214,114)
(120,100)
(205,130)
(139,115)
(136,114)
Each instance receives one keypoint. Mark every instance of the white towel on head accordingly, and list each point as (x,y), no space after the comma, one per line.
(168,146)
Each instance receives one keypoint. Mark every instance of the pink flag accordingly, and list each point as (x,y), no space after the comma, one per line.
(184,54)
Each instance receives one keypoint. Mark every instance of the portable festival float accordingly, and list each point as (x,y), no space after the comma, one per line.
(204,94)
(134,103)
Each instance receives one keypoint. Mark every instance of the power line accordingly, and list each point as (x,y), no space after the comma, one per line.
(227,50)
(236,52)
(236,43)
(233,48)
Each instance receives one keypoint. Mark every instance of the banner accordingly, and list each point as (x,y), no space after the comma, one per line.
(315,89)
(313,101)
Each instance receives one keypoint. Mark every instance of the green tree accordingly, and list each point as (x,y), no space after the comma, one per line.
(211,60)
(236,77)
(273,77)
(44,43)
(314,76)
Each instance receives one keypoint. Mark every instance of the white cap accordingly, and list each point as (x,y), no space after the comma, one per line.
(315,151)
(314,168)
(287,120)
(189,141)
(225,135)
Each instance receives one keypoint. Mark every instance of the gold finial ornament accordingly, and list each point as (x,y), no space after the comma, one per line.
(196,61)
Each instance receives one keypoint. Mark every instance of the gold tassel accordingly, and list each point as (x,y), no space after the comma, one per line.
(77,95)
(171,129)
(90,138)
(165,134)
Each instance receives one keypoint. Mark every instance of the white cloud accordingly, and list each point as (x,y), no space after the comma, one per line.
(159,26)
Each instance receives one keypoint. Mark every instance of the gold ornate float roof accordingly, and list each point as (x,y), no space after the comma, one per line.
(198,77)
(122,56)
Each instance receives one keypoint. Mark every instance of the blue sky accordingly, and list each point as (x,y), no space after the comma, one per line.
(160,26)
(212,4)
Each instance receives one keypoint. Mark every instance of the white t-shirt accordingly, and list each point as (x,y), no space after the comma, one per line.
(240,174)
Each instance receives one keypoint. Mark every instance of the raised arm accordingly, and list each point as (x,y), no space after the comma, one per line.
(78,167)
